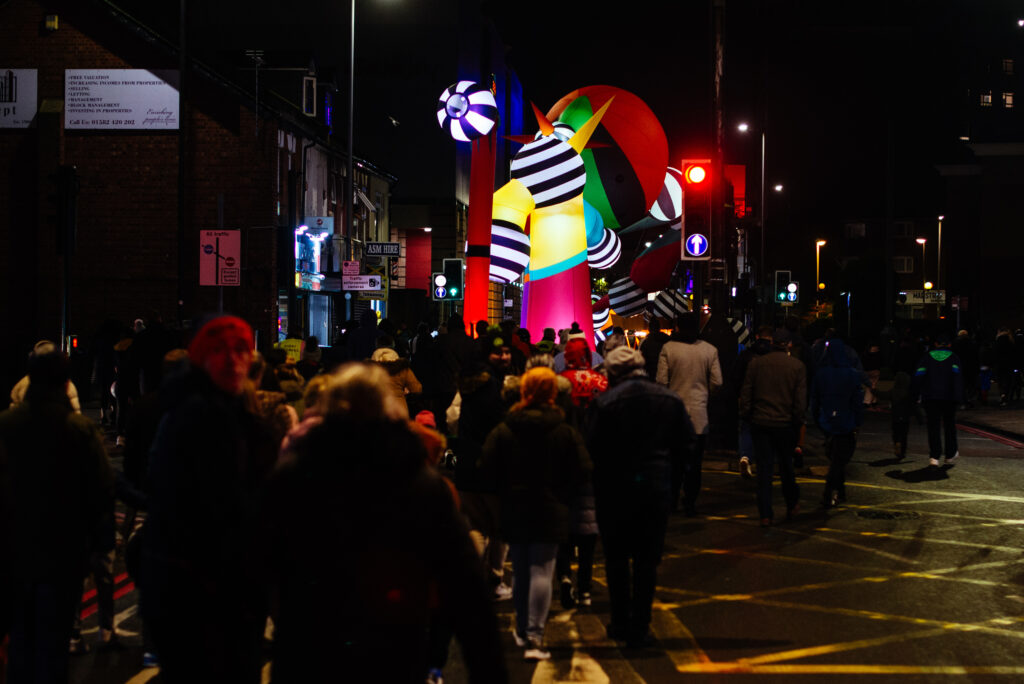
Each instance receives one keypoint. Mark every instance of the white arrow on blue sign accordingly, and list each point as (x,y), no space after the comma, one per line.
(696,245)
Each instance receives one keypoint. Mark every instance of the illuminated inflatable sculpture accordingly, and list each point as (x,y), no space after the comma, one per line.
(468,111)
(557,218)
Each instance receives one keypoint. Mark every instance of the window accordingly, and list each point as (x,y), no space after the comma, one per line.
(902,229)
(855,230)
(1008,67)
(903,264)
(1008,100)
(986,98)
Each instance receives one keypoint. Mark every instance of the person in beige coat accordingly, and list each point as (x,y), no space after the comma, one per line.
(403,380)
(689,367)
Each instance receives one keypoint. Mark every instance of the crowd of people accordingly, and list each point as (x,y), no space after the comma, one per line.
(367,503)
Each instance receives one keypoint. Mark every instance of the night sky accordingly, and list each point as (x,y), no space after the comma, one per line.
(839,88)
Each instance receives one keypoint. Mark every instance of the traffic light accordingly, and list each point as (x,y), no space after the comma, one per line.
(453,275)
(782,280)
(696,224)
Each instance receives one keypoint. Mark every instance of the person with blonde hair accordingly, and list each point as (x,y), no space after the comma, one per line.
(388,555)
(539,462)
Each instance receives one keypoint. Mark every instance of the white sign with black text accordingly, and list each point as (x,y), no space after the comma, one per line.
(120,99)
(19,100)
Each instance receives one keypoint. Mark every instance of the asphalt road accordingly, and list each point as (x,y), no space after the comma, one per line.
(919,577)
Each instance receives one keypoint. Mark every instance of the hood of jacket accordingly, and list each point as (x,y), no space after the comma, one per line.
(836,355)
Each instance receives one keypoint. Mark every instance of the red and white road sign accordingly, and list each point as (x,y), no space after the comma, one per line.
(220,257)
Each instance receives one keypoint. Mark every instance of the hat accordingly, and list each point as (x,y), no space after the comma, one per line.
(577,354)
(426,418)
(217,330)
(623,360)
(384,355)
(545,346)
(782,336)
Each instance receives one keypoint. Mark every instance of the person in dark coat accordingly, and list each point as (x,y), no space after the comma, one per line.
(773,400)
(652,344)
(539,462)
(837,404)
(56,497)
(363,340)
(210,459)
(939,382)
(355,593)
(638,433)
(762,345)
(456,352)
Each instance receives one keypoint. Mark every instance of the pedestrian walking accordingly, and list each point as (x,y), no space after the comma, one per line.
(208,463)
(762,345)
(56,496)
(356,592)
(837,404)
(689,367)
(638,435)
(939,382)
(539,463)
(773,400)
(403,380)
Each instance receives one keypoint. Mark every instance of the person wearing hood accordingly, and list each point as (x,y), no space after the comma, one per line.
(56,502)
(837,404)
(638,434)
(586,382)
(939,382)
(539,461)
(209,461)
(403,380)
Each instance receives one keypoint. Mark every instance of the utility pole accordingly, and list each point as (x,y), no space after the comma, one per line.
(717,274)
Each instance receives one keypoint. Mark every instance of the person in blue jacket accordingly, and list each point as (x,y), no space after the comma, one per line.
(939,382)
(837,404)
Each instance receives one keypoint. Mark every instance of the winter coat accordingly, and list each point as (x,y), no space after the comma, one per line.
(837,397)
(692,371)
(938,376)
(388,550)
(207,466)
(481,409)
(539,463)
(650,348)
(56,491)
(637,432)
(774,392)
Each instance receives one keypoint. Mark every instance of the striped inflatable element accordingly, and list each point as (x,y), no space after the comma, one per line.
(669,205)
(599,335)
(551,170)
(670,303)
(606,252)
(467,110)
(742,332)
(626,298)
(563,131)
(600,317)
(510,252)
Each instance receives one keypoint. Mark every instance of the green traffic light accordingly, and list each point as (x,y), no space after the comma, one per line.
(782,296)
(453,291)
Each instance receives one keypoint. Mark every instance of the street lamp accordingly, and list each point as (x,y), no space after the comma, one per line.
(938,259)
(817,267)
(922,241)
(743,128)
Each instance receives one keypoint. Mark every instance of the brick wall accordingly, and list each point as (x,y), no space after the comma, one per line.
(126,264)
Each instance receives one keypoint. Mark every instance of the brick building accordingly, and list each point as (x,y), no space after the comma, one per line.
(135,255)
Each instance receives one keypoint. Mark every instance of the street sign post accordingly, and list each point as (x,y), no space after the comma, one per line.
(695,247)
(220,257)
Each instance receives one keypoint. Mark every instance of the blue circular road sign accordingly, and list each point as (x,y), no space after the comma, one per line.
(696,245)
(440,292)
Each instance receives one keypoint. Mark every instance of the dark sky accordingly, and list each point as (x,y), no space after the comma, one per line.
(839,88)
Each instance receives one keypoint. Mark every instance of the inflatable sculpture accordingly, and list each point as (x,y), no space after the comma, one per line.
(556,219)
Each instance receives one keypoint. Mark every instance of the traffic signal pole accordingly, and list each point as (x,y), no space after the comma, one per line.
(718,297)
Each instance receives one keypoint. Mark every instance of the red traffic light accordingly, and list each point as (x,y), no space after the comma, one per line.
(696,171)
(696,174)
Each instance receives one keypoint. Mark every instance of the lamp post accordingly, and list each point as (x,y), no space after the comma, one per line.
(817,268)
(922,241)
(743,128)
(938,258)
(349,183)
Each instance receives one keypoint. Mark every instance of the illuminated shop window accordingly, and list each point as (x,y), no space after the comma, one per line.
(986,98)
(1008,100)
